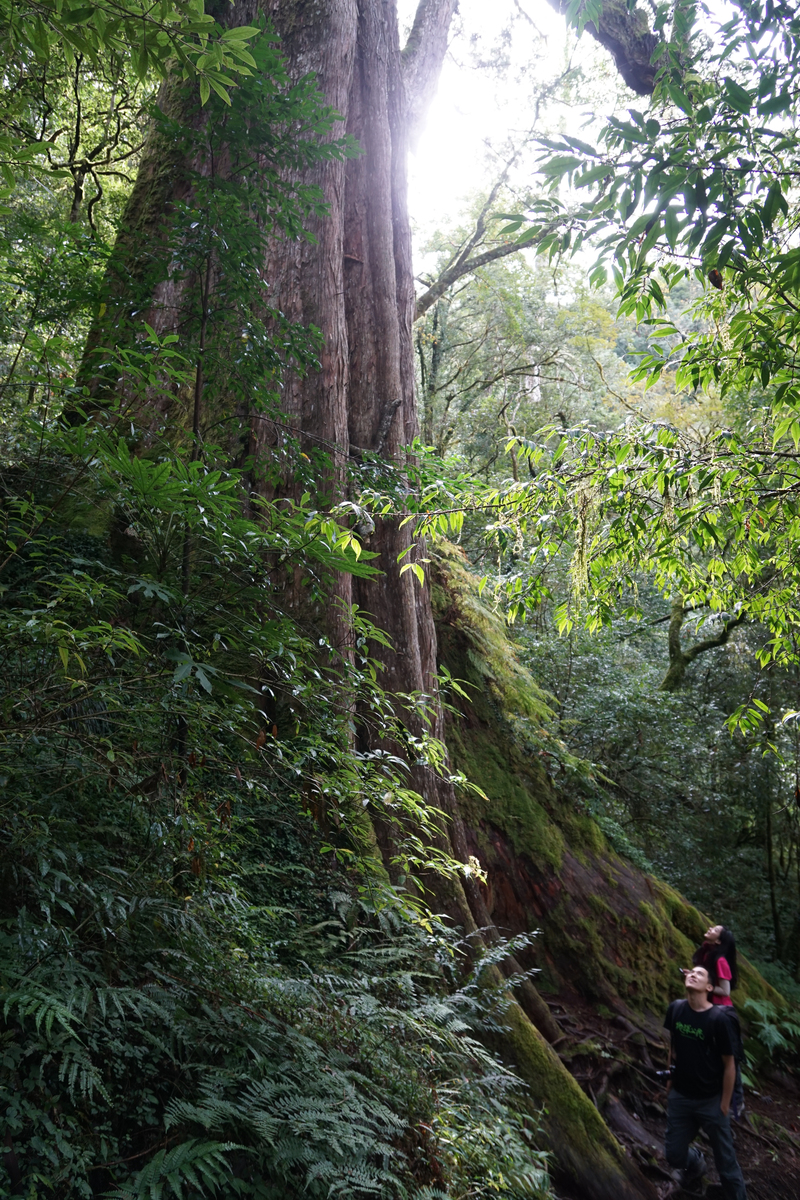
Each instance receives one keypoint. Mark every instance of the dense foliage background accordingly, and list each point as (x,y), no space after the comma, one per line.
(213,982)
(639,447)
(210,985)
(527,347)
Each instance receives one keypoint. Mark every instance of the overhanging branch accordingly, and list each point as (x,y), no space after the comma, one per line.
(459,268)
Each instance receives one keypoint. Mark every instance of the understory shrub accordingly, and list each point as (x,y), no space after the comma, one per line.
(209,986)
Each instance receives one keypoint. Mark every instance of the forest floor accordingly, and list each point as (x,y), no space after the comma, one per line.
(616,1062)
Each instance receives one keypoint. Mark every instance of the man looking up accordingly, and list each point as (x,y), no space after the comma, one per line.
(702,1051)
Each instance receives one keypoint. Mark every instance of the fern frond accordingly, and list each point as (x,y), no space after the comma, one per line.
(46,1009)
(81,1075)
(195,1162)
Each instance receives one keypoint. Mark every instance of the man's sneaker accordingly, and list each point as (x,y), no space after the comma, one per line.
(692,1177)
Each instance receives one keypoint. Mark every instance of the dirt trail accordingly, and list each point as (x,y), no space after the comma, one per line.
(616,1062)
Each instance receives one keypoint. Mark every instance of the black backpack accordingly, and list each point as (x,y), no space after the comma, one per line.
(728,1013)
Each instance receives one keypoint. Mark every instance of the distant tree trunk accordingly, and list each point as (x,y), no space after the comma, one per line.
(429,371)
(680,658)
(769,847)
(768,784)
(355,284)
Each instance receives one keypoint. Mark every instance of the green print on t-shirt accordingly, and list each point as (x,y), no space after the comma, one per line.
(700,1040)
(690,1030)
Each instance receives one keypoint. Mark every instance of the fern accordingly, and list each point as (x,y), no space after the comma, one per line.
(33,1001)
(202,1164)
(774,1029)
(530,1181)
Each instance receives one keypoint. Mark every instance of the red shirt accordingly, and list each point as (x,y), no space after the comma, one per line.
(723,972)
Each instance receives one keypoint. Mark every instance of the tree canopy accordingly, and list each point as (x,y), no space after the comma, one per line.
(698,186)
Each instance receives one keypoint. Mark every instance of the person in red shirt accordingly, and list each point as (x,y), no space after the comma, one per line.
(717,954)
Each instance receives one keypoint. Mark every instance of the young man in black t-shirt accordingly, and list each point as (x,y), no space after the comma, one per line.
(703,1074)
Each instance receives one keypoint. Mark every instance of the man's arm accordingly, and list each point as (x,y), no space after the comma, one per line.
(728,1080)
(669,1021)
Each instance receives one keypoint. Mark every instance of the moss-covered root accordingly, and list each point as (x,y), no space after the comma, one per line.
(585,1151)
(533,1005)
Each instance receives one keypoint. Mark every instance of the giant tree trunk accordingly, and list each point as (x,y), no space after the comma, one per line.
(355,284)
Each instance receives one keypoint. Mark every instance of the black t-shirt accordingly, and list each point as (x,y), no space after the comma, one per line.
(699,1040)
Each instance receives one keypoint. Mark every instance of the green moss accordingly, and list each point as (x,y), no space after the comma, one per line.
(488,658)
(588,833)
(593,938)
(510,805)
(583,835)
(602,908)
(605,954)
(506,714)
(546,980)
(558,941)
(683,915)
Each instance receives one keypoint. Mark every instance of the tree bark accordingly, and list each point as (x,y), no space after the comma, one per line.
(627,36)
(423,55)
(354,282)
(771,874)
(768,781)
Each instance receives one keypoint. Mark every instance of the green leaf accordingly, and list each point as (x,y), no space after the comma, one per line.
(560,164)
(202,679)
(592,175)
(775,104)
(416,568)
(183,670)
(680,99)
(672,227)
(736,96)
(528,235)
(219,89)
(240,33)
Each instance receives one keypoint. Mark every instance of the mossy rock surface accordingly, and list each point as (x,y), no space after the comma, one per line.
(608,931)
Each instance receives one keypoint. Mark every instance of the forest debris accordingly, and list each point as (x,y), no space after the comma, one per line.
(783,1079)
(621,1121)
(762,1126)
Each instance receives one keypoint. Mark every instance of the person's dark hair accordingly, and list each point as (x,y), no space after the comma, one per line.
(707,956)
